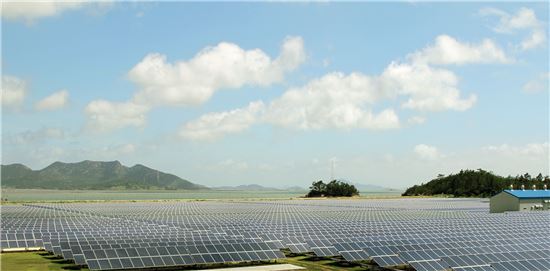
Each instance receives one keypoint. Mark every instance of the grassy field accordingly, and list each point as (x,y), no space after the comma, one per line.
(36,195)
(42,261)
(320,264)
(34,261)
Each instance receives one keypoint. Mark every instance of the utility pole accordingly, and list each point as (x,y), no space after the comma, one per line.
(331,169)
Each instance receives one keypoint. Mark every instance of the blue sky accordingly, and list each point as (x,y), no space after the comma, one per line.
(271,93)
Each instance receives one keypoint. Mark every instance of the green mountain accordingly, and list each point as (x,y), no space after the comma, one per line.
(92,175)
(475,183)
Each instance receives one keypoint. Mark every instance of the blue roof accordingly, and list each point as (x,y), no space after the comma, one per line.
(529,194)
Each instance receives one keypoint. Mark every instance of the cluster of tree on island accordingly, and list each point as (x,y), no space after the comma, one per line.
(476,183)
(334,188)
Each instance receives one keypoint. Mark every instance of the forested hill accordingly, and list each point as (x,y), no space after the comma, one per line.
(91,175)
(475,183)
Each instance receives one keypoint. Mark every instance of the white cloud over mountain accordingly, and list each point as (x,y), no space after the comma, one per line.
(105,116)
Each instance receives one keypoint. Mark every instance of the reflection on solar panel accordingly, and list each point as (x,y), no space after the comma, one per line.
(426,234)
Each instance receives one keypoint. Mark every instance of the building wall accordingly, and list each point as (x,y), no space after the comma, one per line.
(503,202)
(525,204)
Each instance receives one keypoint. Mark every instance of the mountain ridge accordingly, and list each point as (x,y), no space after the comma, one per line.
(92,175)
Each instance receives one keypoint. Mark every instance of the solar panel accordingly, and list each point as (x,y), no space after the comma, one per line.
(475,268)
(429,266)
(427,234)
(386,261)
(354,256)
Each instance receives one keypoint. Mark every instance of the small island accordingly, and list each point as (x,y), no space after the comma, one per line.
(334,188)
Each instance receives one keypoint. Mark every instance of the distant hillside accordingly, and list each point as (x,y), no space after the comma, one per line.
(92,175)
(475,183)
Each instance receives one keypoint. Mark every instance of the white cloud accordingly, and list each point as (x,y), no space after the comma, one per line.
(531,149)
(29,11)
(340,101)
(34,136)
(224,66)
(14,91)
(332,101)
(104,116)
(427,152)
(524,19)
(447,50)
(428,88)
(536,39)
(538,84)
(416,120)
(55,101)
(194,82)
(217,124)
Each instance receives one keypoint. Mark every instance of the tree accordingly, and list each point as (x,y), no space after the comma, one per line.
(474,183)
(334,188)
(317,189)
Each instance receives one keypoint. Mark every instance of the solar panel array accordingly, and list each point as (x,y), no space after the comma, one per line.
(423,234)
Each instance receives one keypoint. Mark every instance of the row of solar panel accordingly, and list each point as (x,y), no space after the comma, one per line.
(176,260)
(391,237)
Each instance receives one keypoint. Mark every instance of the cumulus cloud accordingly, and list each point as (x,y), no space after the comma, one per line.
(447,50)
(428,88)
(524,19)
(104,116)
(538,84)
(29,11)
(217,124)
(14,91)
(54,101)
(193,82)
(332,101)
(426,152)
(224,66)
(346,101)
